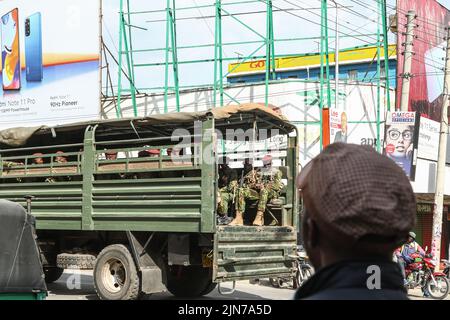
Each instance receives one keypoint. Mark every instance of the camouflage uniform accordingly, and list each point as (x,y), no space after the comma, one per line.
(271,187)
(9,164)
(261,185)
(59,178)
(228,185)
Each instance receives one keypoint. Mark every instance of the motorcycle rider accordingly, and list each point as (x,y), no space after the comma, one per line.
(405,252)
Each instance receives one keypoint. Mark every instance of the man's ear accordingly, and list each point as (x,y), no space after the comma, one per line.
(310,233)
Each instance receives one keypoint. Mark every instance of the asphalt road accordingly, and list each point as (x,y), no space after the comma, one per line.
(78,285)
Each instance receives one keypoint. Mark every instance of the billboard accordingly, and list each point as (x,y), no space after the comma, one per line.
(400,140)
(427,81)
(50,56)
(428,140)
(338,126)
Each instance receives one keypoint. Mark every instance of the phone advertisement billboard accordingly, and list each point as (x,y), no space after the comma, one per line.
(50,57)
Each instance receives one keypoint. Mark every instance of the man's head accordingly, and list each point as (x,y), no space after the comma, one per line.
(111,155)
(344,122)
(153,152)
(225,161)
(60,158)
(411,237)
(248,166)
(357,204)
(267,161)
(149,153)
(38,159)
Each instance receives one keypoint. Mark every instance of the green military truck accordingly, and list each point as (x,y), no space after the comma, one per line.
(148,224)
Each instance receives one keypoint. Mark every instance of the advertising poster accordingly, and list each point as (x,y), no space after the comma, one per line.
(49,62)
(428,147)
(338,126)
(427,84)
(400,140)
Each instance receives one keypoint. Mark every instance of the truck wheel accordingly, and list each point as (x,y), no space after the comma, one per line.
(210,288)
(115,274)
(190,282)
(52,274)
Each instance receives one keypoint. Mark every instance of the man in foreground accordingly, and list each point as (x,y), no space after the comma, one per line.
(358,208)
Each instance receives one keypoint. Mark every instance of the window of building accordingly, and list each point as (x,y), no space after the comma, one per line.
(353,75)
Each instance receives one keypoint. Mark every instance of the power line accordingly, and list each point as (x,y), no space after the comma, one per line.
(319,24)
(344,26)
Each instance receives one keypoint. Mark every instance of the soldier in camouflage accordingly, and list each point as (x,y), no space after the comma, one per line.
(9,165)
(59,159)
(262,185)
(228,185)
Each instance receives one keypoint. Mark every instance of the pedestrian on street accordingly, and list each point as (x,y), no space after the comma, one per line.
(358,208)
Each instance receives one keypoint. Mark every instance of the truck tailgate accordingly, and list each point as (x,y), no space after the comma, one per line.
(248,252)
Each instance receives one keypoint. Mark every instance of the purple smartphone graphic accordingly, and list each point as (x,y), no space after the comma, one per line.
(10,50)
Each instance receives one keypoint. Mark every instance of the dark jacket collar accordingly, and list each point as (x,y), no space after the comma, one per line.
(348,280)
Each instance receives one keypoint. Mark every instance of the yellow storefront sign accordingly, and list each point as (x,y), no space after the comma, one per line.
(297,62)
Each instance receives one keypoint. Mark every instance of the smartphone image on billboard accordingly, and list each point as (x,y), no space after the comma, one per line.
(33,47)
(10,50)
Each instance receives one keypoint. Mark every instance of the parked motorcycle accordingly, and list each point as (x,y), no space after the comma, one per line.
(303,273)
(421,274)
(446,268)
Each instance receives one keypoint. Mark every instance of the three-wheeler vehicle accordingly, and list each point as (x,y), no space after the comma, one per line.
(22,276)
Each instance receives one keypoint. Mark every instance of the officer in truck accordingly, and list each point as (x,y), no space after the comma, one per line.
(262,185)
(228,184)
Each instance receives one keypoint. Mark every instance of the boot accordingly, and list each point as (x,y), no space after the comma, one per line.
(238,220)
(259,219)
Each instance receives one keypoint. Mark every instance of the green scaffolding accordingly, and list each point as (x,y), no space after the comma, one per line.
(127,88)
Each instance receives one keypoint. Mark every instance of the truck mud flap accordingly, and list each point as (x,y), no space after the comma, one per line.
(247,252)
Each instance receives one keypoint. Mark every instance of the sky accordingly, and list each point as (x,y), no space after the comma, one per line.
(356,17)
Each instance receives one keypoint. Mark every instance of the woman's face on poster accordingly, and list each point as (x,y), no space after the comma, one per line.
(400,136)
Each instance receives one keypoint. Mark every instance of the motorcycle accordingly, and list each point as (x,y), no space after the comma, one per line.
(446,268)
(304,272)
(421,274)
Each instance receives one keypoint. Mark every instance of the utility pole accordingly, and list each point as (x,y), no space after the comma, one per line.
(408,54)
(336,60)
(440,179)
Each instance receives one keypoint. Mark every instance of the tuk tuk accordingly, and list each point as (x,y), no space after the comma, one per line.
(22,276)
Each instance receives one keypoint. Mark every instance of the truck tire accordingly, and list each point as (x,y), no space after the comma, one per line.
(190,281)
(75,261)
(115,274)
(208,289)
(52,273)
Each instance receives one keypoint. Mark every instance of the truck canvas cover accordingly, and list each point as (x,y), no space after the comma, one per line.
(16,137)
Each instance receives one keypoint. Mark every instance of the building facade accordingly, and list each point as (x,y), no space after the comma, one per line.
(355,64)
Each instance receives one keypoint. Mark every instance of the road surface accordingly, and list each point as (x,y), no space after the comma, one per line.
(78,285)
